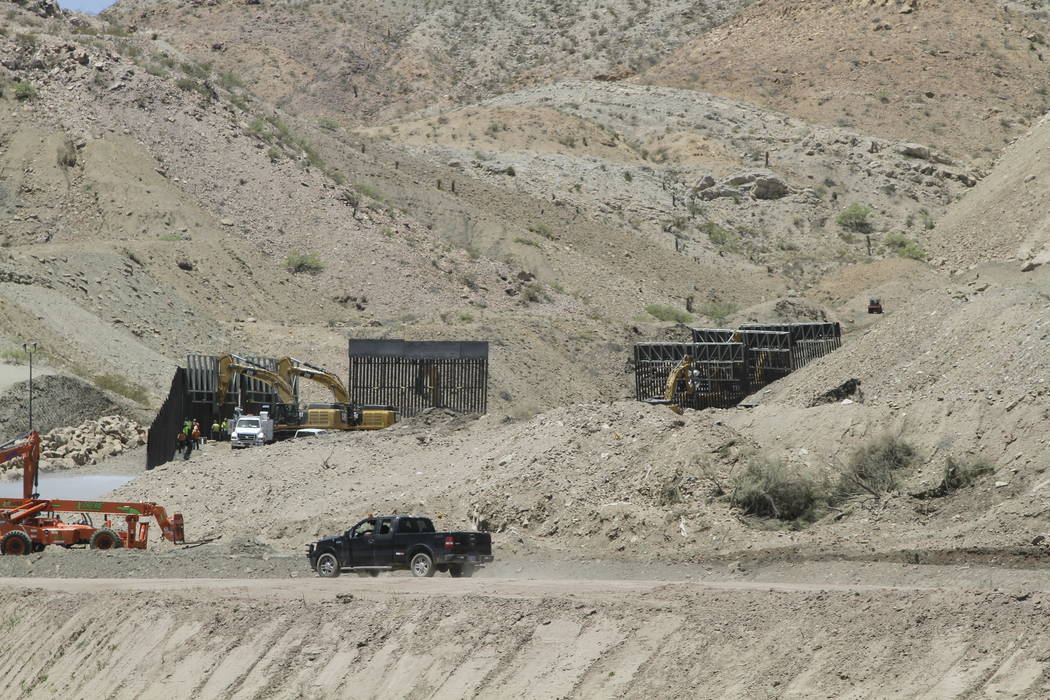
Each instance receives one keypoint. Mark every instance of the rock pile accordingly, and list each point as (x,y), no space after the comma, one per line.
(89,442)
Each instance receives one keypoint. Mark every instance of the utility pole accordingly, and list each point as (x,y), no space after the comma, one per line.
(30,348)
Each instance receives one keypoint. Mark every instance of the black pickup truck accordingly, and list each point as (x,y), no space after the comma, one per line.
(394,542)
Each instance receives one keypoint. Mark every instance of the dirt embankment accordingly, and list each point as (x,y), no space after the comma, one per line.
(455,639)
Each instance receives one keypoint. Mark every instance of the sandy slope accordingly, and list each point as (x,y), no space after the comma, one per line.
(441,638)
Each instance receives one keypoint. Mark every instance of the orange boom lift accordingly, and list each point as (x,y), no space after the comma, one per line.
(29,524)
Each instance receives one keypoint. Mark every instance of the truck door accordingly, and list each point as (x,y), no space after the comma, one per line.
(383,543)
(359,543)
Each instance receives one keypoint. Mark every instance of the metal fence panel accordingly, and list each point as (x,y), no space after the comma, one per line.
(731,364)
(416,375)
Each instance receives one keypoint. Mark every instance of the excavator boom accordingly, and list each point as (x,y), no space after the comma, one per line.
(28,448)
(288,367)
(230,365)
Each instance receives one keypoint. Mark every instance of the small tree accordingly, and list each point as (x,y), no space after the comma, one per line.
(855,218)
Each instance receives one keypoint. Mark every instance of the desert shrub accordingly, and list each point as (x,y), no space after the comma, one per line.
(668,313)
(770,488)
(534,292)
(120,385)
(369,191)
(24,90)
(964,471)
(720,236)
(526,241)
(873,467)
(230,80)
(855,218)
(543,230)
(14,357)
(157,70)
(66,155)
(298,262)
(718,310)
(904,247)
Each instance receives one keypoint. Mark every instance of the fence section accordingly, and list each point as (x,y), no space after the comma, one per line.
(728,365)
(163,434)
(415,375)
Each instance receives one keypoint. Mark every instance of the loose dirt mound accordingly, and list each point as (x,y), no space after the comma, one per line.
(1004,218)
(58,401)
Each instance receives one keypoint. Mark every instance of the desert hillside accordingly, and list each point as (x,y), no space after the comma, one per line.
(963,76)
(563,180)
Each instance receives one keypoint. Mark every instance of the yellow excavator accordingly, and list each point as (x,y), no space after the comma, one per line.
(343,414)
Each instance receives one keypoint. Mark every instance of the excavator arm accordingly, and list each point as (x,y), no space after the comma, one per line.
(230,365)
(28,448)
(288,367)
(679,374)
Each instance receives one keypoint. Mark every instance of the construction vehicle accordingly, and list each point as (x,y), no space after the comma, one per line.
(343,414)
(29,524)
(251,430)
(286,415)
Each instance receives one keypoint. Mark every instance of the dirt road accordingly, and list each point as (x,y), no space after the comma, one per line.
(396,637)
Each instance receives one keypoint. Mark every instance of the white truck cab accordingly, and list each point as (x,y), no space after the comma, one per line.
(249,430)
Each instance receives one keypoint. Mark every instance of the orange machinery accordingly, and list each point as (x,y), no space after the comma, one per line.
(29,524)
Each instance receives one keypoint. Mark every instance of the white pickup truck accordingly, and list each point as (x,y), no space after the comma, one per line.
(252,430)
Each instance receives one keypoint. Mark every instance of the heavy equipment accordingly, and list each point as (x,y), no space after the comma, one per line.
(29,524)
(287,417)
(343,414)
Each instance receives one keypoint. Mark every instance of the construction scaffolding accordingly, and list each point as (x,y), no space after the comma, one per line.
(416,375)
(727,365)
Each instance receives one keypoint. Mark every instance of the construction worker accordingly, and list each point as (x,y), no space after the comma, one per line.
(180,444)
(196,435)
(225,428)
(215,430)
(187,427)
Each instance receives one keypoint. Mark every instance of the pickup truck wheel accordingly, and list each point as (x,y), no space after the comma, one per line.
(328,566)
(461,570)
(422,565)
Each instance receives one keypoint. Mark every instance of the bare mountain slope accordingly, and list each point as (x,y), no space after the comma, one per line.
(961,75)
(1005,217)
(154,213)
(362,61)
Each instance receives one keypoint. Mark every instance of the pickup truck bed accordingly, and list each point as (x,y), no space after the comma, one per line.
(390,543)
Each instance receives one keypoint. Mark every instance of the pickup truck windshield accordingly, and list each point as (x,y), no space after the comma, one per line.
(415,525)
(248,423)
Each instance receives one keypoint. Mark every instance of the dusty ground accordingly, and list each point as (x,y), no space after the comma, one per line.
(538,639)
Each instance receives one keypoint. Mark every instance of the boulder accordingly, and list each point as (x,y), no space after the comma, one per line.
(914,150)
(769,187)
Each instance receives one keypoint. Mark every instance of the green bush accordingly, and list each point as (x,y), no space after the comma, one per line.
(24,91)
(669,313)
(718,311)
(855,218)
(769,488)
(369,191)
(526,241)
(119,385)
(873,467)
(904,247)
(720,236)
(298,262)
(964,471)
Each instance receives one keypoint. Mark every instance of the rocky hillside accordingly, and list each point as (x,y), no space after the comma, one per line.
(358,62)
(965,76)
